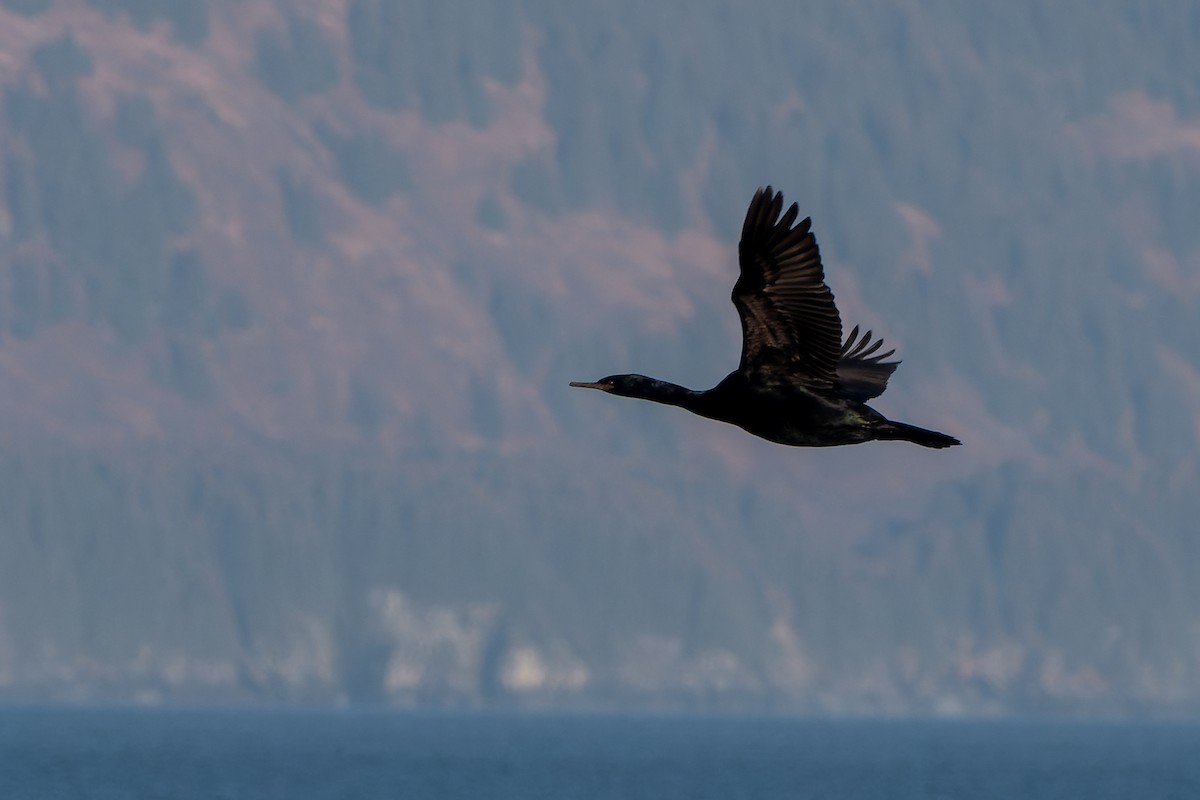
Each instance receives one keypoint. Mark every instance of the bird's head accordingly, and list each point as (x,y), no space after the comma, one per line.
(623,385)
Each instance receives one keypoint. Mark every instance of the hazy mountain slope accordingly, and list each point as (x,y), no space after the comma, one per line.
(289,295)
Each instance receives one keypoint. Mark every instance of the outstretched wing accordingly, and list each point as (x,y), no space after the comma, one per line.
(862,375)
(789,322)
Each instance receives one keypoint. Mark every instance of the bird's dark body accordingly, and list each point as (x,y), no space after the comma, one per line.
(798,383)
(790,414)
(779,412)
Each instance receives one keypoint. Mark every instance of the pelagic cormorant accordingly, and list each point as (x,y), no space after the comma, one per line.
(798,383)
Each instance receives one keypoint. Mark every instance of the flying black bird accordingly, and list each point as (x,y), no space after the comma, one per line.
(798,383)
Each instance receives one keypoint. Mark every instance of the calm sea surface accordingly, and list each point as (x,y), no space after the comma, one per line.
(305,755)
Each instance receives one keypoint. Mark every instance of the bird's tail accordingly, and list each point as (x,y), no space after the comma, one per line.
(911,433)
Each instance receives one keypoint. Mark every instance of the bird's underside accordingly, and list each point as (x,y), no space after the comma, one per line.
(792,415)
(798,382)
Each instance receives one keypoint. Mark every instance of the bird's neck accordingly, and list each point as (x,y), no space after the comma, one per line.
(670,393)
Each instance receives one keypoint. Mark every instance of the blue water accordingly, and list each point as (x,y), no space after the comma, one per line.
(55,754)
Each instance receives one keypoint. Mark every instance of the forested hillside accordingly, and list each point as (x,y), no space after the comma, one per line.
(290,294)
